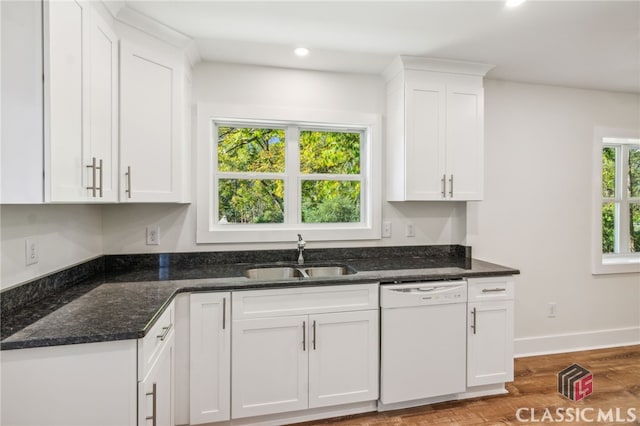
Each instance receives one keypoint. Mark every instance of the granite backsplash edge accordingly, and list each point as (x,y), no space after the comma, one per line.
(35,290)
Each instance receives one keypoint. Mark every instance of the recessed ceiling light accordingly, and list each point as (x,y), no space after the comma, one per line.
(514,3)
(301,51)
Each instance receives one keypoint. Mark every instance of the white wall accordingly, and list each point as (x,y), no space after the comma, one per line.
(65,234)
(435,223)
(536,213)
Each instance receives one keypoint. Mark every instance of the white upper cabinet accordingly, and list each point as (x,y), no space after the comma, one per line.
(61,59)
(152,112)
(435,127)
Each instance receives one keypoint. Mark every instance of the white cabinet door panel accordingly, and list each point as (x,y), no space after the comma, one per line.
(490,343)
(65,77)
(150,111)
(269,365)
(210,363)
(425,150)
(343,358)
(155,394)
(464,143)
(101,131)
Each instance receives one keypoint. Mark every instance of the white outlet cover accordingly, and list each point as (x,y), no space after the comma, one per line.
(153,235)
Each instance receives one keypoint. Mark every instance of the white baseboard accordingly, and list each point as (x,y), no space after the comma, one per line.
(573,342)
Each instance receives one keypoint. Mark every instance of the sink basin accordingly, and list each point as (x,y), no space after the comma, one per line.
(327,271)
(273,273)
(269,272)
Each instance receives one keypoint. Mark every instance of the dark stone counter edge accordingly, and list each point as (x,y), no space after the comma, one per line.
(253,285)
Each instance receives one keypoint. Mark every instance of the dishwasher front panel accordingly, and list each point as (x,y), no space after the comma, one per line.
(423,352)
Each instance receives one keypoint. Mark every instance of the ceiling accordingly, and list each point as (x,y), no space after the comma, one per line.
(586,44)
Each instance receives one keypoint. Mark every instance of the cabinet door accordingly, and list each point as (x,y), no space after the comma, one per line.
(343,358)
(155,392)
(465,143)
(150,125)
(101,110)
(64,79)
(210,358)
(490,343)
(424,139)
(21,154)
(269,365)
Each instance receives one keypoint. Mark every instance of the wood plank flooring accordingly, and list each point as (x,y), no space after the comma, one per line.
(616,378)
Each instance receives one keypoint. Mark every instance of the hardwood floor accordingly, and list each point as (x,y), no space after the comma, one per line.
(616,379)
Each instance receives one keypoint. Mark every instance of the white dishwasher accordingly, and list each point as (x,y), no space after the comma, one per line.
(423,340)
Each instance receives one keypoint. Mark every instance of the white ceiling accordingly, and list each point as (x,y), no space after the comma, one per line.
(588,44)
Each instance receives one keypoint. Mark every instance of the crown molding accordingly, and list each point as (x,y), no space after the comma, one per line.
(157,29)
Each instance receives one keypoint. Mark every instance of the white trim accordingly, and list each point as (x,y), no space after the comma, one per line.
(573,342)
(369,229)
(628,263)
(306,415)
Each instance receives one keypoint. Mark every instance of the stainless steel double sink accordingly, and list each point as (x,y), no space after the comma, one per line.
(271,272)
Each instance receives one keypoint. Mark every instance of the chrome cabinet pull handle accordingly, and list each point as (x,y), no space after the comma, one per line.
(314,335)
(474,326)
(304,335)
(93,173)
(451,187)
(100,180)
(128,189)
(493,290)
(224,313)
(153,406)
(444,186)
(164,333)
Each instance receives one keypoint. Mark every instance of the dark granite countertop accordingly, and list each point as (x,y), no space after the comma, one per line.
(124,300)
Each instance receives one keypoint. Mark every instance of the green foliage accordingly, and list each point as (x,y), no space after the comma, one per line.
(608,172)
(261,200)
(608,227)
(330,201)
(329,152)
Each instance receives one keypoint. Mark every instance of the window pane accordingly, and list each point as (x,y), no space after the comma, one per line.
(608,228)
(250,150)
(329,152)
(635,228)
(634,172)
(325,201)
(608,172)
(251,200)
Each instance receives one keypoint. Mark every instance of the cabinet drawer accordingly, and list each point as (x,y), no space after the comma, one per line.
(302,301)
(491,288)
(150,347)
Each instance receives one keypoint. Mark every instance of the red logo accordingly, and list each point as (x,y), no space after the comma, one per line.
(575,382)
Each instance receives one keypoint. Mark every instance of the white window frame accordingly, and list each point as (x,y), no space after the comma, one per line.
(608,263)
(208,228)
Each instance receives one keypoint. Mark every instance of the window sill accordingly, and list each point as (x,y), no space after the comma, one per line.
(622,264)
(256,233)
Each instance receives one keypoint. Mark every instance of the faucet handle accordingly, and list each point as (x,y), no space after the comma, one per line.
(301,242)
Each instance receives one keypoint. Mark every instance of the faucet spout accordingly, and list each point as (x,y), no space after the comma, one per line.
(301,244)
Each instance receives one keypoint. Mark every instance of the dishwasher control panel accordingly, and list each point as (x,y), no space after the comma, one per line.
(425,293)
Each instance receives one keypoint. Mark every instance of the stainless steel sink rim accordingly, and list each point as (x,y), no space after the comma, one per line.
(283,272)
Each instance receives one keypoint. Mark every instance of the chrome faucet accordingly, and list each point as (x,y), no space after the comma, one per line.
(301,244)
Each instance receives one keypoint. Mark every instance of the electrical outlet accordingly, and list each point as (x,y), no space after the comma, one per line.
(552,309)
(386,229)
(30,251)
(153,235)
(410,230)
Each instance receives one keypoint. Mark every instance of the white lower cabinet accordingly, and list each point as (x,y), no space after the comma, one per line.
(342,366)
(210,358)
(269,366)
(156,372)
(296,349)
(490,331)
(155,393)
